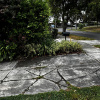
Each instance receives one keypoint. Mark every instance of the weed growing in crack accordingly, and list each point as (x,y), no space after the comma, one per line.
(40,67)
(39,77)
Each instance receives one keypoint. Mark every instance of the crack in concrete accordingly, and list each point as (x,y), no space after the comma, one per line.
(49,72)
(77,77)
(53,82)
(85,75)
(97,76)
(7,74)
(39,74)
(31,73)
(95,65)
(70,79)
(95,71)
(61,76)
(50,80)
(18,80)
(5,70)
(37,80)
(27,89)
(57,83)
(93,57)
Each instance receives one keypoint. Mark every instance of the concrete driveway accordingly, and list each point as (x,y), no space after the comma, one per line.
(44,74)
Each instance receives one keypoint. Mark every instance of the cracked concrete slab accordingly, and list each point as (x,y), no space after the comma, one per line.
(95,55)
(3,74)
(44,74)
(98,73)
(91,42)
(72,74)
(80,70)
(41,61)
(19,74)
(88,70)
(7,65)
(63,85)
(42,70)
(53,76)
(41,86)
(85,81)
(14,87)
(90,49)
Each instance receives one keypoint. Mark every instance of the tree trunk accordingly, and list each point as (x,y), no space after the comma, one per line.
(64,28)
(64,24)
(97,21)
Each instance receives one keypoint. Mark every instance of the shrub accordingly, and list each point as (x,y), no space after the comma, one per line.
(54,49)
(23,22)
(81,26)
(7,50)
(33,18)
(68,47)
(23,18)
(40,49)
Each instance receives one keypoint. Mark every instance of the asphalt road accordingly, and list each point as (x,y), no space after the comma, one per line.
(92,35)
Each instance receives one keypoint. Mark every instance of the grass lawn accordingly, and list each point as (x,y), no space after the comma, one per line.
(78,37)
(72,93)
(92,29)
(98,46)
(89,29)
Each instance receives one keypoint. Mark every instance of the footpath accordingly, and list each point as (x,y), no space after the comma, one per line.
(45,74)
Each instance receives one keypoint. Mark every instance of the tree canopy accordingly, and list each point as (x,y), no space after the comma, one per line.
(94,8)
(69,9)
(65,8)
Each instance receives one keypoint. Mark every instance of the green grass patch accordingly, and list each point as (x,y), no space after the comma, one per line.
(92,29)
(40,67)
(39,77)
(73,93)
(78,37)
(88,29)
(98,46)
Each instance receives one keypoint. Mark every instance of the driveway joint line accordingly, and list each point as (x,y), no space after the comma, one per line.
(27,89)
(8,74)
